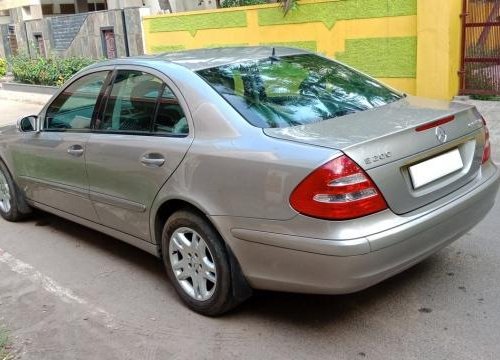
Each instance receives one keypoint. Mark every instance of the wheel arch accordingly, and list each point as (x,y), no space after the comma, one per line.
(22,204)
(165,210)
(240,286)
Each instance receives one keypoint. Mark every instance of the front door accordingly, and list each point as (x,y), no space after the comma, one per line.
(138,141)
(51,164)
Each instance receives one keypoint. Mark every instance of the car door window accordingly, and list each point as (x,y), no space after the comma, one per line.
(170,118)
(132,103)
(73,108)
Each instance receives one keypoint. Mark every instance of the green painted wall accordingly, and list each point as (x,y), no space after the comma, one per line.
(195,22)
(330,12)
(306,45)
(378,37)
(382,57)
(167,48)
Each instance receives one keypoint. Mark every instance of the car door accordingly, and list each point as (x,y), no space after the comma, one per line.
(138,140)
(51,163)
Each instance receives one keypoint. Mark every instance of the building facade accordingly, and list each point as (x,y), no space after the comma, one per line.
(90,28)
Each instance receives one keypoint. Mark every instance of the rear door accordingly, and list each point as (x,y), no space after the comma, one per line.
(51,164)
(139,139)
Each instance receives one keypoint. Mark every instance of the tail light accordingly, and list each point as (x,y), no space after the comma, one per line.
(487,144)
(338,190)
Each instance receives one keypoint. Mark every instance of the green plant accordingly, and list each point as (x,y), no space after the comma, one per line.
(3,67)
(234,3)
(485,97)
(46,71)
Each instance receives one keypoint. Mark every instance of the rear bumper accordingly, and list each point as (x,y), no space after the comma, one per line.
(329,264)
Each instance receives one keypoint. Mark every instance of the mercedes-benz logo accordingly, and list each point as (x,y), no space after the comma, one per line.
(441,135)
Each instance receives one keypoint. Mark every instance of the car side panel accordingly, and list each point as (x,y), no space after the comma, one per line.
(121,187)
(50,175)
(250,178)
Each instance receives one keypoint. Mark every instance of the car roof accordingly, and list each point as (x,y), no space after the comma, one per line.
(198,59)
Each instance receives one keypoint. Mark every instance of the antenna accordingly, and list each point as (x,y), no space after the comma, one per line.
(273,56)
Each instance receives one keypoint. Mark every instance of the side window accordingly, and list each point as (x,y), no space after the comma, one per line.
(132,102)
(170,118)
(73,108)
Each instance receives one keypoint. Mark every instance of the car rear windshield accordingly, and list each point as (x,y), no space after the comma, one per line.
(295,90)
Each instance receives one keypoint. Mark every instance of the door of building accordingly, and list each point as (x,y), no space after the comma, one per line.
(12,40)
(109,43)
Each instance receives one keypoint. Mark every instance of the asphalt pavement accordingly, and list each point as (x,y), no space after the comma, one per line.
(67,292)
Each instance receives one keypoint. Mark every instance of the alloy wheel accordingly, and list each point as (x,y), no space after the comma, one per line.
(5,197)
(193,264)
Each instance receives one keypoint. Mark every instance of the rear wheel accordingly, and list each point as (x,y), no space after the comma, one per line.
(9,196)
(197,263)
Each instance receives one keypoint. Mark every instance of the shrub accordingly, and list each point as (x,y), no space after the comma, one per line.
(46,71)
(234,3)
(3,67)
(286,5)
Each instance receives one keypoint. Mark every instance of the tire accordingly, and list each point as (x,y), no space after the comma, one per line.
(12,206)
(207,294)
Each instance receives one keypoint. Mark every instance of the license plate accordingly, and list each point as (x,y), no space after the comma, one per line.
(435,168)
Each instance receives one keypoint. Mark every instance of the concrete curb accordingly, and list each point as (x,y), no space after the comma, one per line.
(28,88)
(25,97)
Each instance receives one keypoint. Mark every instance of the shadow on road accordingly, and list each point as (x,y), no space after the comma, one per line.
(321,310)
(291,309)
(102,243)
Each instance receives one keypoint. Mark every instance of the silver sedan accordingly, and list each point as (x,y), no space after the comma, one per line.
(253,168)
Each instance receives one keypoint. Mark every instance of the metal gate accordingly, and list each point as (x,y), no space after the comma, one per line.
(480,66)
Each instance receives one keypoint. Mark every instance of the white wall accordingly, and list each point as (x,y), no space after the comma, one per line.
(119,4)
(191,5)
(9,4)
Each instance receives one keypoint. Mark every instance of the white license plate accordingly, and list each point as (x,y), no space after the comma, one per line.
(435,168)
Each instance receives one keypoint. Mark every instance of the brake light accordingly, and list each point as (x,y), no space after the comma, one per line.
(435,123)
(337,190)
(487,143)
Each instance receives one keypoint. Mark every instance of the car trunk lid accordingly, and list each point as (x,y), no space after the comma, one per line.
(386,144)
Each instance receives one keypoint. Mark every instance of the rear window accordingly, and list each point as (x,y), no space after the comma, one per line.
(295,90)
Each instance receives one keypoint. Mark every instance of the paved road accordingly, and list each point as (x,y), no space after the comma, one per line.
(11,110)
(67,292)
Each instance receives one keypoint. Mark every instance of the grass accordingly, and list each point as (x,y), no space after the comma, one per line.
(4,345)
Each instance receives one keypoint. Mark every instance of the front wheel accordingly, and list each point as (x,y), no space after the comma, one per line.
(10,206)
(197,263)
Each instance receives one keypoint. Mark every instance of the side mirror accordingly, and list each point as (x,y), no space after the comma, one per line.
(28,124)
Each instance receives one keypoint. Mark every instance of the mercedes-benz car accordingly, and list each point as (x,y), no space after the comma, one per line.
(253,168)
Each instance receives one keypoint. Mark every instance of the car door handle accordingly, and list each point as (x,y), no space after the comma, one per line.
(76,150)
(153,160)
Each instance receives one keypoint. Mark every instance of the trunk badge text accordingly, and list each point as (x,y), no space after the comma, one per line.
(475,123)
(373,159)
(441,135)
